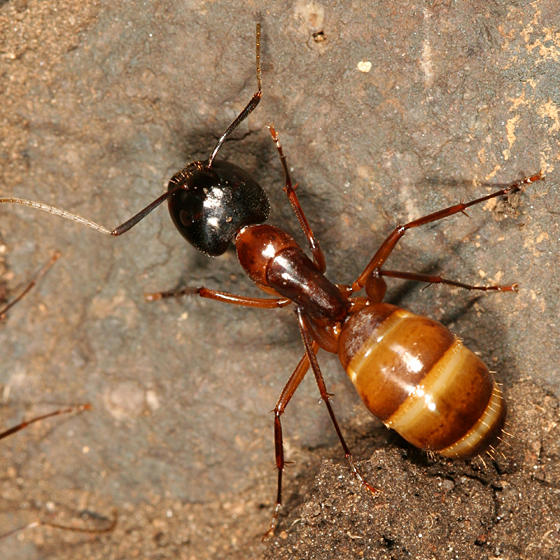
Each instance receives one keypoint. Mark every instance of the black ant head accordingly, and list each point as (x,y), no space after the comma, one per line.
(214,204)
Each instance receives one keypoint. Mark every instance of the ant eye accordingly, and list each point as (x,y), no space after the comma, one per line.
(189,218)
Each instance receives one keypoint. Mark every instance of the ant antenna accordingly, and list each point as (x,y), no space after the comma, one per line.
(249,107)
(56,211)
(254,101)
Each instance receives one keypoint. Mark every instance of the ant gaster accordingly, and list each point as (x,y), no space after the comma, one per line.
(410,371)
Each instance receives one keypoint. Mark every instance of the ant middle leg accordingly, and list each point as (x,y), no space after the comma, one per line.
(224,297)
(390,242)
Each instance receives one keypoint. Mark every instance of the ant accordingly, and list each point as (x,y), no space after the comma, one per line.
(411,371)
(75,409)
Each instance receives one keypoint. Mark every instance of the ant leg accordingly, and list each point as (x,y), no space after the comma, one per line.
(91,530)
(40,523)
(317,252)
(389,244)
(22,425)
(253,102)
(309,358)
(224,297)
(285,397)
(43,270)
(308,343)
(439,280)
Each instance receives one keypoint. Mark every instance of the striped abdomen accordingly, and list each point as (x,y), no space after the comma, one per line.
(420,380)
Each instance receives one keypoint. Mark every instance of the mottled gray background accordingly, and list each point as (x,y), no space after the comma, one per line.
(101,105)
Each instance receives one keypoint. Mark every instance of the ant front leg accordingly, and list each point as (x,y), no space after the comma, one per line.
(290,190)
(389,244)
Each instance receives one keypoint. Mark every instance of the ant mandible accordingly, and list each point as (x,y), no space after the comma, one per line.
(410,371)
